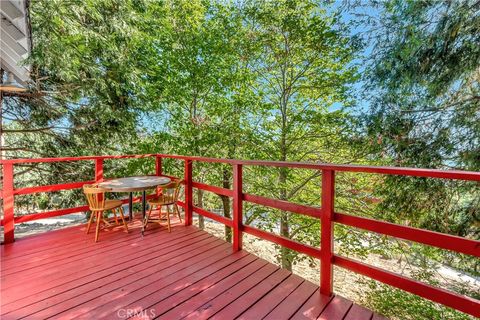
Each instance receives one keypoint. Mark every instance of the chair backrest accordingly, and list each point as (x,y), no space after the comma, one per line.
(171,191)
(95,196)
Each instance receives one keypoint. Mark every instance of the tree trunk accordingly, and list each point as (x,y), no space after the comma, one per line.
(286,258)
(227,214)
(201,219)
(286,254)
(193,116)
(226,204)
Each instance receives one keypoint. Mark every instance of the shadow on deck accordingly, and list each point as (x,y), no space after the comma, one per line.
(187,274)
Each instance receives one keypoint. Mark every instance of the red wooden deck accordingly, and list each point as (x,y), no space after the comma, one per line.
(185,274)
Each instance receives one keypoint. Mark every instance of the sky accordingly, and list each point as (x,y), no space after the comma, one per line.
(357,29)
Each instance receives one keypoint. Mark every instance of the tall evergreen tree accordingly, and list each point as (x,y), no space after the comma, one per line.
(422,78)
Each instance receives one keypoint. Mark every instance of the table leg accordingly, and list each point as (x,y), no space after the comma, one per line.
(144,204)
(130,206)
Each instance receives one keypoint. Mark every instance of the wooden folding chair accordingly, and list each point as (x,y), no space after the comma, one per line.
(98,205)
(169,197)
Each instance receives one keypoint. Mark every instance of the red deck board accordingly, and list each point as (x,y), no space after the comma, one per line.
(69,262)
(67,239)
(58,285)
(62,263)
(211,307)
(28,245)
(65,246)
(183,274)
(146,269)
(57,239)
(312,308)
(36,245)
(235,308)
(84,268)
(336,309)
(90,301)
(67,250)
(189,306)
(272,299)
(287,308)
(73,289)
(187,293)
(128,294)
(357,312)
(158,291)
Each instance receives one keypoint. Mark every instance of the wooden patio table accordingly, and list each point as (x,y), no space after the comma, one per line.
(134,184)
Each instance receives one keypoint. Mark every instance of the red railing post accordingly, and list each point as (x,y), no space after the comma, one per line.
(158,165)
(188,192)
(8,203)
(326,240)
(237,207)
(98,170)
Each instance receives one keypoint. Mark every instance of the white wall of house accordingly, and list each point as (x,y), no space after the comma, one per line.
(14,38)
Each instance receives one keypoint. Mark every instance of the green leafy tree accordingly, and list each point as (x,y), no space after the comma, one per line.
(198,83)
(425,110)
(83,96)
(422,77)
(303,67)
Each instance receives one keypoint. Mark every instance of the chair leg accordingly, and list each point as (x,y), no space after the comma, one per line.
(105,220)
(175,206)
(160,212)
(168,218)
(145,220)
(99,219)
(90,221)
(120,209)
(115,215)
(147,217)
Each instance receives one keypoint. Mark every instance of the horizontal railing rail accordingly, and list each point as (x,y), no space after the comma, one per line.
(403,171)
(325,212)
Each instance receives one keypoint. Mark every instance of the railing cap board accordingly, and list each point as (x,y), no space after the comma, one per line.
(327,214)
(404,171)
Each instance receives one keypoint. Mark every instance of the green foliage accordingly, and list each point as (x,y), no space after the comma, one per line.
(425,110)
(425,74)
(265,80)
(422,81)
(302,64)
(84,79)
(396,304)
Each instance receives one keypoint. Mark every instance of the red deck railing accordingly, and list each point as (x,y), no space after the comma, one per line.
(326,214)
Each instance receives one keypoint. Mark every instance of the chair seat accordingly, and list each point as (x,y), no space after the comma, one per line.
(110,204)
(161,200)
